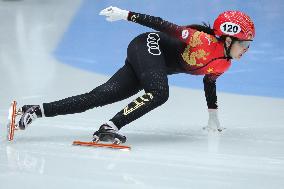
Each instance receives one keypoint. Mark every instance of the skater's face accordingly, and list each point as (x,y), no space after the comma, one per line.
(238,49)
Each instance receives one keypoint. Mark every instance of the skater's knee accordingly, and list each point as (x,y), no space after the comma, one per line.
(163,96)
(160,96)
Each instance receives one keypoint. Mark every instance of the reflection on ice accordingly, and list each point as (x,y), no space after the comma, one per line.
(213,141)
(21,160)
(169,149)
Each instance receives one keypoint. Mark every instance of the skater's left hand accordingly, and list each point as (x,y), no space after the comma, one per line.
(114,14)
(213,121)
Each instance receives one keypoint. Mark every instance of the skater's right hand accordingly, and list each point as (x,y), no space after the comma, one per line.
(213,121)
(114,14)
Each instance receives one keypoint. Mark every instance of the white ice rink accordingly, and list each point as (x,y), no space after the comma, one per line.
(169,147)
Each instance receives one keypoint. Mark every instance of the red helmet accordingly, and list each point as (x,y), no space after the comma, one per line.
(236,24)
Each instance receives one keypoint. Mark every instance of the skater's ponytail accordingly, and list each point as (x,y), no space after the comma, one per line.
(206,28)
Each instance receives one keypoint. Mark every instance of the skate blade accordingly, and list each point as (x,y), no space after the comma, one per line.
(11,121)
(99,144)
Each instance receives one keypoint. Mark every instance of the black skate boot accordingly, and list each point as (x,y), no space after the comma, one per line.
(107,134)
(29,114)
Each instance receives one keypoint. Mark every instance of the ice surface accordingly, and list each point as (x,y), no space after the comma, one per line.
(169,147)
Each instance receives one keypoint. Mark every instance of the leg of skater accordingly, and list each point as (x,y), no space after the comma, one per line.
(121,85)
(151,71)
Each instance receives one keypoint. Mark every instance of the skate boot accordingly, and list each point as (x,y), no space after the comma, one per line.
(29,114)
(107,133)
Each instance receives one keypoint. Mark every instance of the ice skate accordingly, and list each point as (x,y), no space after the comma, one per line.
(108,134)
(106,137)
(29,114)
(11,126)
